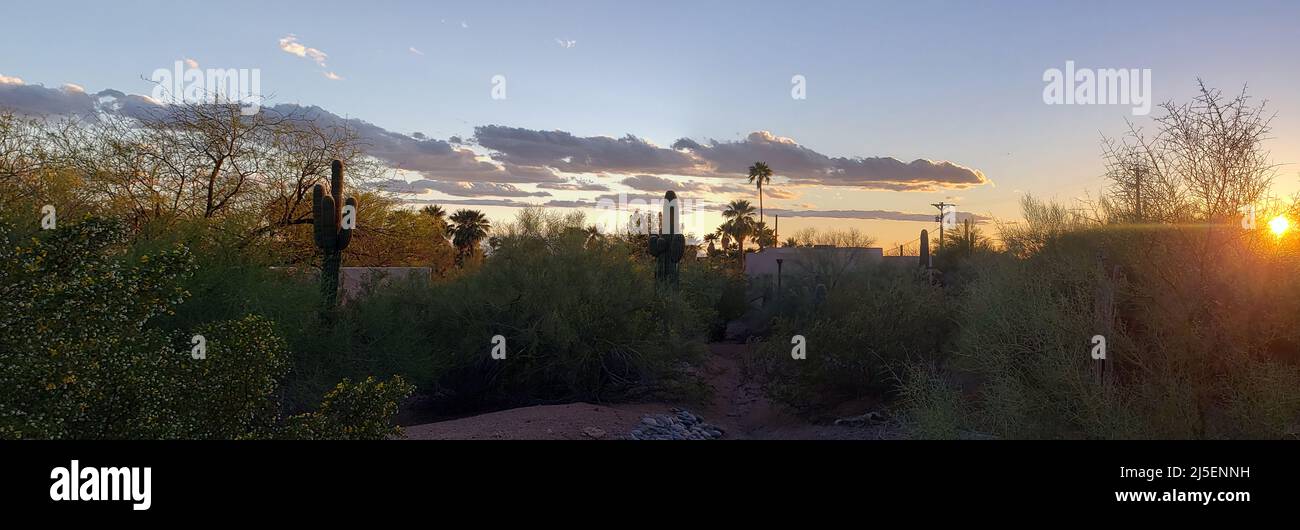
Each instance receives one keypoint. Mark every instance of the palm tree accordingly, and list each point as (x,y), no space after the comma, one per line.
(724,238)
(739,223)
(468,228)
(739,208)
(435,211)
(711,239)
(763,235)
(760,173)
(592,235)
(439,216)
(739,229)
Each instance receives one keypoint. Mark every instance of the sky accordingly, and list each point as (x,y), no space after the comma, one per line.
(906,103)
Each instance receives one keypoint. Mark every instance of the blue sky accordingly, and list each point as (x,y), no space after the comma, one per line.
(943,81)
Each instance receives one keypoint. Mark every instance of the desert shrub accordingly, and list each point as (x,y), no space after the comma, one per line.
(353,411)
(1025,329)
(716,291)
(1202,343)
(382,334)
(871,322)
(231,280)
(82,357)
(581,318)
(935,404)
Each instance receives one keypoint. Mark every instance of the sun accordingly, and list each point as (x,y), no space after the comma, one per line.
(1279,225)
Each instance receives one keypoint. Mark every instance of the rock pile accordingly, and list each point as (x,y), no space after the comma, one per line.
(679,425)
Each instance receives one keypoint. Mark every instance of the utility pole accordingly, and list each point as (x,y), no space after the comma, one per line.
(941,206)
(776,233)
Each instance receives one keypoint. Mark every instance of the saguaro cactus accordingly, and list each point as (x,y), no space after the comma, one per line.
(332,230)
(925,249)
(668,248)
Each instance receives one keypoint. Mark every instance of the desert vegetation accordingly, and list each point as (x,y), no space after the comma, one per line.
(201,222)
(1196,307)
(170,277)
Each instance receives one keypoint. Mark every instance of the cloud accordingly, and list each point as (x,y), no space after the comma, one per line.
(803,166)
(73,100)
(6,80)
(460,189)
(414,50)
(37,100)
(434,159)
(800,165)
(289,44)
(332,76)
(574,186)
(497,158)
(128,105)
(880,215)
(657,183)
(660,184)
(510,203)
(573,154)
(564,43)
(191,63)
(780,193)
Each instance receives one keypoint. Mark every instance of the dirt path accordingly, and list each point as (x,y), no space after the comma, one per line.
(738,406)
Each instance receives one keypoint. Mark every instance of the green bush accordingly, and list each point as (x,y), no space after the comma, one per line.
(353,411)
(936,406)
(1202,344)
(581,317)
(82,357)
(872,321)
(716,291)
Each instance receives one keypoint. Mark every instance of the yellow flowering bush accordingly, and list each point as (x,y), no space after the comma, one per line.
(81,358)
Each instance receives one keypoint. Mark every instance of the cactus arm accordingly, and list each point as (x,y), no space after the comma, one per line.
(319,221)
(336,188)
(326,225)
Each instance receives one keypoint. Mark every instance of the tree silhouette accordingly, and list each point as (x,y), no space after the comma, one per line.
(739,223)
(468,228)
(761,174)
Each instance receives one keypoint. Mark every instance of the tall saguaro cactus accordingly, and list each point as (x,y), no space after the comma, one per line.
(332,230)
(668,248)
(925,250)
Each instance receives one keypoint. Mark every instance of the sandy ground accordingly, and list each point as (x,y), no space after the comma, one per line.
(738,406)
